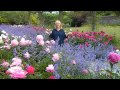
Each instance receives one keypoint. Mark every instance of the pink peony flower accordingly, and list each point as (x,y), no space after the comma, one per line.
(100,39)
(7,72)
(52,77)
(113,57)
(87,44)
(85,71)
(41,43)
(39,38)
(106,43)
(52,42)
(30,69)
(55,57)
(14,43)
(19,74)
(27,55)
(66,40)
(47,50)
(94,40)
(5,64)
(73,62)
(16,61)
(50,68)
(110,38)
(22,42)
(81,46)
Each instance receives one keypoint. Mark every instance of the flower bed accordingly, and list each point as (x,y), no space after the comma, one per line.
(89,55)
(93,38)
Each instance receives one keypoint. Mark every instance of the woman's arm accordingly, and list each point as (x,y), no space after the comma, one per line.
(64,34)
(51,35)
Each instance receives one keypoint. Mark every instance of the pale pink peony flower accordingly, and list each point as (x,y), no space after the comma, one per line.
(50,68)
(113,57)
(41,43)
(6,44)
(117,50)
(73,62)
(14,69)
(94,40)
(19,74)
(47,50)
(14,43)
(28,42)
(47,42)
(7,47)
(5,64)
(39,38)
(6,40)
(49,46)
(85,71)
(55,57)
(100,39)
(27,55)
(16,61)
(22,42)
(52,42)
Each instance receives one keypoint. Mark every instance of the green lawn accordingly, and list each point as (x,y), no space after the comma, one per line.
(112,30)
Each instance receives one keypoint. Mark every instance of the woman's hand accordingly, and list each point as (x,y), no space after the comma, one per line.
(48,31)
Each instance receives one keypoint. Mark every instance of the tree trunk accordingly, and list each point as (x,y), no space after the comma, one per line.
(29,13)
(93,20)
(60,15)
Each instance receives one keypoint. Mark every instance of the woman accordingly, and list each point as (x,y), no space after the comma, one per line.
(58,32)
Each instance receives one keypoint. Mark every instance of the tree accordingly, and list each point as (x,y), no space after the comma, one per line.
(79,18)
(93,20)
(117,13)
(60,17)
(29,13)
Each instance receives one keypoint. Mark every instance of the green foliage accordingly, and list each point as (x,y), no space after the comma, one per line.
(34,19)
(105,13)
(14,17)
(40,68)
(7,55)
(3,20)
(50,19)
(114,41)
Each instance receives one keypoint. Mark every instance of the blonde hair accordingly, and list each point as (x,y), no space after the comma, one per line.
(58,21)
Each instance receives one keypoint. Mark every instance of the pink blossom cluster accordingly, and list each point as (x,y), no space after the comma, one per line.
(85,37)
(113,57)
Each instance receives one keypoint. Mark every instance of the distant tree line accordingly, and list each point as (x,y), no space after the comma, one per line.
(47,18)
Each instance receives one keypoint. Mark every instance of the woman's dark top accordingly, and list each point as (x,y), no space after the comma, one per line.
(61,34)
